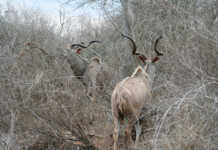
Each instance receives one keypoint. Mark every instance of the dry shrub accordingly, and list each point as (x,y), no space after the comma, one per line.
(50,102)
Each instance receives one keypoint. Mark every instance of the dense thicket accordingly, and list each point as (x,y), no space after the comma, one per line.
(44,105)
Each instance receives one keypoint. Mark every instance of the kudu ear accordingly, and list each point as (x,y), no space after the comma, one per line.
(138,72)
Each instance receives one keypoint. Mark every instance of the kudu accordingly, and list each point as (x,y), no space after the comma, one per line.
(130,95)
(96,72)
(90,76)
(77,64)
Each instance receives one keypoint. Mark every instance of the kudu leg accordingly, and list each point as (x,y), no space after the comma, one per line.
(138,130)
(90,92)
(128,137)
(116,133)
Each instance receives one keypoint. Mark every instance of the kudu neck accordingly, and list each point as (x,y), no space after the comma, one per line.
(151,72)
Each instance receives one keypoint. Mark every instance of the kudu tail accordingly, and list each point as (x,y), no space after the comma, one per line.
(121,108)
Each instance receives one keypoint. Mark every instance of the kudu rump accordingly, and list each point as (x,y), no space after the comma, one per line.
(130,94)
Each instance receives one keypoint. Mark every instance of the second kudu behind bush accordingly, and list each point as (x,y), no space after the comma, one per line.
(96,75)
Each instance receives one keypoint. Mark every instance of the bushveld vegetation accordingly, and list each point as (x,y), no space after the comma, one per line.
(44,103)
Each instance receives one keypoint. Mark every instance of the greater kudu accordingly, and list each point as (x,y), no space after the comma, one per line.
(77,64)
(130,95)
(96,73)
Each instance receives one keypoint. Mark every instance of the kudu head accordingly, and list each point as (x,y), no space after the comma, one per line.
(149,63)
(96,59)
(80,47)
